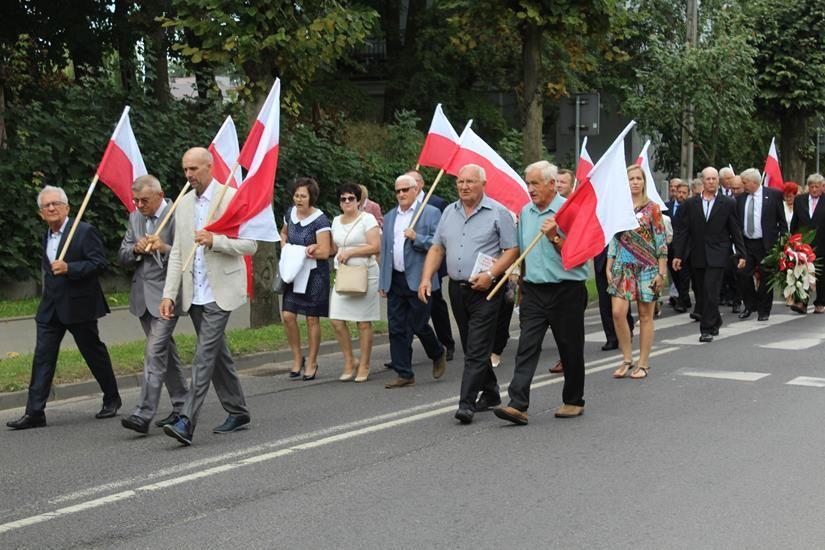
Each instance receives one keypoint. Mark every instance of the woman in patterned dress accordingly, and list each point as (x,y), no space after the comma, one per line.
(307,226)
(636,267)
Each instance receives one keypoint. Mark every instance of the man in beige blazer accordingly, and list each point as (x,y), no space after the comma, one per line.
(212,286)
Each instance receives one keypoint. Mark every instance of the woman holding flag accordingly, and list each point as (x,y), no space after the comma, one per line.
(636,267)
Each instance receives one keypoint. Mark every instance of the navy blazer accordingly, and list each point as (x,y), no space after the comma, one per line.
(707,242)
(414,252)
(75,297)
(773,215)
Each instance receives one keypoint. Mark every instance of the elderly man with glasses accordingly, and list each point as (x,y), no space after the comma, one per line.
(73,301)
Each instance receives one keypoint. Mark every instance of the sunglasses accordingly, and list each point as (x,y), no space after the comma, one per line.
(403,190)
(348,198)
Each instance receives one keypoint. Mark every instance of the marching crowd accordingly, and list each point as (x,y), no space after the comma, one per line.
(712,236)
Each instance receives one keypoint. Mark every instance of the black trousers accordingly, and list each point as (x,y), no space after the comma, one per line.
(94,352)
(561,307)
(407,315)
(505,315)
(476,319)
(440,314)
(681,279)
(731,291)
(606,308)
(756,299)
(707,284)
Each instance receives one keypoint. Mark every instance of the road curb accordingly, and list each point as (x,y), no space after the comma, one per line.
(59,392)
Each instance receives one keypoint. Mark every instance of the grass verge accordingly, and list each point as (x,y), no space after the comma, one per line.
(28,306)
(128,358)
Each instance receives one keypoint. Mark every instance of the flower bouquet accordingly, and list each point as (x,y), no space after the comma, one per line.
(792,267)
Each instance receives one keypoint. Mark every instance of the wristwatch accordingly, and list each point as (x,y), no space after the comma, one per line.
(556,239)
(493,278)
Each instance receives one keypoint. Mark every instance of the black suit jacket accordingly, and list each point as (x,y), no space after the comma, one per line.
(802,220)
(773,215)
(707,243)
(75,297)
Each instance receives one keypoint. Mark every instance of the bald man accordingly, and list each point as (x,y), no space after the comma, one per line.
(209,290)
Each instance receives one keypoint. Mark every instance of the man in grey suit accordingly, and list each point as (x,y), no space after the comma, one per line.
(148,255)
(403,251)
(210,288)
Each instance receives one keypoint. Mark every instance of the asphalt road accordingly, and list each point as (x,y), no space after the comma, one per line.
(721,447)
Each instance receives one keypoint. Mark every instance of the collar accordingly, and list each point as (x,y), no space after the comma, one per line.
(162,208)
(61,230)
(553,207)
(306,221)
(412,208)
(207,195)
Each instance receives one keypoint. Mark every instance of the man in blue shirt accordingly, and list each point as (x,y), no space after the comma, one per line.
(551,297)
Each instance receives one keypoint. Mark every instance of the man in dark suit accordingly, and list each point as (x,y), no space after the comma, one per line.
(403,251)
(147,255)
(680,279)
(605,305)
(762,219)
(809,213)
(73,301)
(705,235)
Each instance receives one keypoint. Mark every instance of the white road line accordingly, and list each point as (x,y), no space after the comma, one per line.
(735,328)
(795,344)
(809,381)
(543,380)
(658,324)
(741,376)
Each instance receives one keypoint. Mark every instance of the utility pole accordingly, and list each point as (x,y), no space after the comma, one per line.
(686,166)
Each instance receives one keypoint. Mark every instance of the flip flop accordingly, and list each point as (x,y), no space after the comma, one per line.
(635,374)
(621,372)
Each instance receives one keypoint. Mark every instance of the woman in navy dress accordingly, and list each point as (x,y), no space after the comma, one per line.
(307,226)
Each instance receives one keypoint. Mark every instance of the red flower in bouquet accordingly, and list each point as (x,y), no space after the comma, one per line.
(795,239)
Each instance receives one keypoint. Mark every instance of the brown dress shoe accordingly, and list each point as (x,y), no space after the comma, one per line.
(558,368)
(400,383)
(569,411)
(511,414)
(440,365)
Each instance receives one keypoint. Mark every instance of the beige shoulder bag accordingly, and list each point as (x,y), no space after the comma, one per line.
(351,279)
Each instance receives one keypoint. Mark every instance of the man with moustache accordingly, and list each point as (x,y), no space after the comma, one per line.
(210,289)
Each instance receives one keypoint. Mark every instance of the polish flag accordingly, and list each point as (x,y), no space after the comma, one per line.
(503,183)
(253,139)
(249,214)
(585,163)
(224,149)
(600,207)
(441,142)
(773,175)
(650,185)
(122,162)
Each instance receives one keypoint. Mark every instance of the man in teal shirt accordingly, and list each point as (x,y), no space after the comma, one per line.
(551,297)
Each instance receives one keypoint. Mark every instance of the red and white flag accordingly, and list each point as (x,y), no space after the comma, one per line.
(249,214)
(600,207)
(650,185)
(224,149)
(585,163)
(503,183)
(122,162)
(441,142)
(253,139)
(773,175)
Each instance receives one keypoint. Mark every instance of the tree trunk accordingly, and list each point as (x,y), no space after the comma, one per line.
(125,46)
(3,136)
(792,144)
(157,42)
(533,94)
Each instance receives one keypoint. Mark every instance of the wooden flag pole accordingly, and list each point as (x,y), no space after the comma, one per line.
(77,218)
(514,265)
(426,199)
(417,166)
(211,215)
(168,215)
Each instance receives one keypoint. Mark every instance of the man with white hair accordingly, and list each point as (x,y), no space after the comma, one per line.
(726,176)
(761,214)
(477,235)
(72,301)
(809,213)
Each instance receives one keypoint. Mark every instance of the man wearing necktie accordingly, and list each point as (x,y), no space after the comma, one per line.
(681,279)
(726,176)
(762,216)
(809,213)
(148,254)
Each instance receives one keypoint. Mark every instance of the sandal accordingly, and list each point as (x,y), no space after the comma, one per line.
(621,372)
(639,373)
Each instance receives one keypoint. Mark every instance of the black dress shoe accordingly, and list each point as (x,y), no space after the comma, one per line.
(109,410)
(695,316)
(450,354)
(736,308)
(609,346)
(745,314)
(487,402)
(171,419)
(465,416)
(27,421)
(136,423)
(679,309)
(763,317)
(180,430)
(388,364)
(232,423)
(706,337)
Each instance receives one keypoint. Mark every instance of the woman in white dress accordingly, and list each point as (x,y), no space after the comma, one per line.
(356,240)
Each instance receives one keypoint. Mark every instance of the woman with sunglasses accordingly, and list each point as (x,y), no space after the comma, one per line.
(356,239)
(305,225)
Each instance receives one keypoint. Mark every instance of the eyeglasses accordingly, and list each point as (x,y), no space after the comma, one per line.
(139,201)
(403,190)
(466,182)
(348,198)
(54,204)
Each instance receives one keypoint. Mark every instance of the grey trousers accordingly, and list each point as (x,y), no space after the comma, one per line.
(213,364)
(161,365)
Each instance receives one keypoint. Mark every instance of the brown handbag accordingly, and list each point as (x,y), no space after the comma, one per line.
(351,279)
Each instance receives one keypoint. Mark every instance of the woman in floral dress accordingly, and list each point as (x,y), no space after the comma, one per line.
(636,267)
